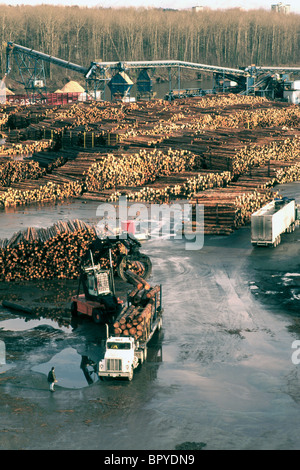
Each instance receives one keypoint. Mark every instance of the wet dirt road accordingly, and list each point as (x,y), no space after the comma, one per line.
(219,373)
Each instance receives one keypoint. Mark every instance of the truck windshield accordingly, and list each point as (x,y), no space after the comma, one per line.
(118,345)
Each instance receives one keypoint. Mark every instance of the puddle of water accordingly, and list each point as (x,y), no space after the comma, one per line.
(22,324)
(71,369)
(5,367)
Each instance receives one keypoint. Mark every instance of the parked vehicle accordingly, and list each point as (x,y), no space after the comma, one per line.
(98,300)
(272,220)
(124,353)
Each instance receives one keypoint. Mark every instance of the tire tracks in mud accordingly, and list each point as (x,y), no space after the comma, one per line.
(209,308)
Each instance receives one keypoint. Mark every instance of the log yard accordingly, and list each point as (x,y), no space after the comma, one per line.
(176,348)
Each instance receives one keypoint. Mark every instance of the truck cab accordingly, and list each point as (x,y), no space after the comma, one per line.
(120,359)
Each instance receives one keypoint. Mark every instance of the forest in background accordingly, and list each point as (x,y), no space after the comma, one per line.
(233,38)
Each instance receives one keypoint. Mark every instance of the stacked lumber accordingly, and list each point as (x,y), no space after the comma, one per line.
(288,174)
(3,118)
(241,143)
(254,155)
(57,252)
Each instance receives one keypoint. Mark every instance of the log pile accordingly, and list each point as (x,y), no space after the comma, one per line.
(228,208)
(45,253)
(254,155)
(227,134)
(28,147)
(183,190)
(34,192)
(13,171)
(57,251)
(135,319)
(138,169)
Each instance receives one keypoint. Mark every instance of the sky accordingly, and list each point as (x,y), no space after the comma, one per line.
(178,4)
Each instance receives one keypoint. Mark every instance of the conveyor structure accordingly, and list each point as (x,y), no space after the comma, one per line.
(248,80)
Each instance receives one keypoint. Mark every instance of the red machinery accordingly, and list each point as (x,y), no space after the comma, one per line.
(99,300)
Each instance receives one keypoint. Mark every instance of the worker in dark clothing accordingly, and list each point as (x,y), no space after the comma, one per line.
(52,379)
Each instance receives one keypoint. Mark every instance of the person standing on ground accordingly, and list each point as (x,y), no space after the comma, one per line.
(52,379)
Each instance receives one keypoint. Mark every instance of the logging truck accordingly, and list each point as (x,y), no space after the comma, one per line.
(124,353)
(272,220)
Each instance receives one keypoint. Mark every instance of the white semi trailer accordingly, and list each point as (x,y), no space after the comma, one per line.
(272,220)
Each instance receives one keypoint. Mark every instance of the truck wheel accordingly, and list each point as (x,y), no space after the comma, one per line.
(97,315)
(110,303)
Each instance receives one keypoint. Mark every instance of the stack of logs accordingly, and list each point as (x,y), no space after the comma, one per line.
(12,171)
(227,209)
(46,253)
(28,147)
(181,190)
(215,134)
(54,252)
(49,192)
(138,169)
(135,319)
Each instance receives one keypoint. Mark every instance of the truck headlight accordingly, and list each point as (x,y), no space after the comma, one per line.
(101,366)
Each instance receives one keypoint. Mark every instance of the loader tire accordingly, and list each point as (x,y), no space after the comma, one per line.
(74,311)
(97,315)
(110,302)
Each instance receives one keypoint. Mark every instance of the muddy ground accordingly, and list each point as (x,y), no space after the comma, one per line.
(218,376)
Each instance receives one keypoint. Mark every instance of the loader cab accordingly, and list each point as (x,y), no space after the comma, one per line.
(98,281)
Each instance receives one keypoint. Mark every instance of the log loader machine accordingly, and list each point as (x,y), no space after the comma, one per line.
(99,299)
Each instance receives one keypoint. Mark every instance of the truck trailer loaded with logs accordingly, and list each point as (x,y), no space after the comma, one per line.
(126,348)
(272,220)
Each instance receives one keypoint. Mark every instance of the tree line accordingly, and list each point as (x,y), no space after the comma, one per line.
(232,38)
